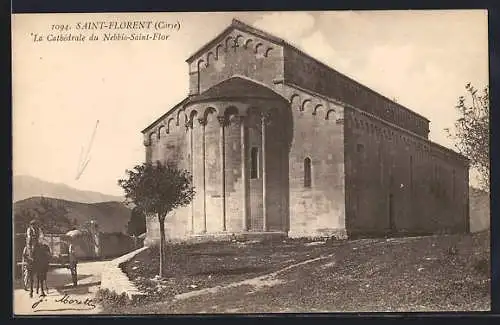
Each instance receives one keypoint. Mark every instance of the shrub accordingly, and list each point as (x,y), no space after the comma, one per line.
(111,299)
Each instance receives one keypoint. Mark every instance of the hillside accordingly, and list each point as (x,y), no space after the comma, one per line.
(110,216)
(24,187)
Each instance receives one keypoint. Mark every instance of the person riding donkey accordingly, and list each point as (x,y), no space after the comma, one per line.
(38,256)
(33,235)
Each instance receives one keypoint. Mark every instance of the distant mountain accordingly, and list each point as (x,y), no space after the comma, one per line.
(24,187)
(110,216)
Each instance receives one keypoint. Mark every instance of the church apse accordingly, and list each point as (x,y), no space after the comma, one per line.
(236,142)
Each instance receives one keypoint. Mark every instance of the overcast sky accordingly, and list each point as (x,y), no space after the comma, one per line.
(421,58)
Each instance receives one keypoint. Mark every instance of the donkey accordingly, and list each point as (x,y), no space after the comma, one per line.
(40,268)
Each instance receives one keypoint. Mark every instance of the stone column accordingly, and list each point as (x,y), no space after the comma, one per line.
(189,126)
(263,120)
(223,123)
(244,176)
(203,123)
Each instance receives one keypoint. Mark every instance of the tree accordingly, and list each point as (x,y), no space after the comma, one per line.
(471,133)
(157,189)
(137,222)
(52,214)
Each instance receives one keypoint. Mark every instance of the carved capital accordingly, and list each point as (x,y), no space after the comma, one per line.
(202,121)
(146,142)
(223,121)
(265,115)
(265,118)
(189,124)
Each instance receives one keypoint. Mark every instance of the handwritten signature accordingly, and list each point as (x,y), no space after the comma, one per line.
(66,300)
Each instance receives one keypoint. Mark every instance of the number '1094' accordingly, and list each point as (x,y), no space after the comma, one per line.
(60,27)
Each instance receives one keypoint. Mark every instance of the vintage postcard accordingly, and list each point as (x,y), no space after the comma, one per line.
(250,162)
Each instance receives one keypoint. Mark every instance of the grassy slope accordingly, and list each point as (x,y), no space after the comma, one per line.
(405,274)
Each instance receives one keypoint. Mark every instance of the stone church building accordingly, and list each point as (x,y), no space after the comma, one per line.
(279,143)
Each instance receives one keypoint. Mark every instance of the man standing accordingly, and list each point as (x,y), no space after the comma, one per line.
(73,263)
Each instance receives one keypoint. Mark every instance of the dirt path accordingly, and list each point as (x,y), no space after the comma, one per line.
(267,280)
(62,298)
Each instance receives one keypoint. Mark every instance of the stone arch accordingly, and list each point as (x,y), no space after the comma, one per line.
(151,137)
(210,57)
(192,118)
(268,50)
(230,112)
(170,124)
(200,64)
(256,49)
(237,39)
(318,106)
(209,110)
(332,111)
(160,129)
(247,42)
(193,114)
(293,98)
(218,49)
(227,42)
(304,103)
(180,114)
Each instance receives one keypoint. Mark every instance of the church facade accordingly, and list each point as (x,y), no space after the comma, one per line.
(279,143)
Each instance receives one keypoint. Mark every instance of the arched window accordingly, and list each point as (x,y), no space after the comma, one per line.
(254,163)
(307,172)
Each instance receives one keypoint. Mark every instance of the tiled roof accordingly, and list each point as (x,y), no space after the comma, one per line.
(235,87)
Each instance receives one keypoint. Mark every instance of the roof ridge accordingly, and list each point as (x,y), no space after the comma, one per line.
(237,24)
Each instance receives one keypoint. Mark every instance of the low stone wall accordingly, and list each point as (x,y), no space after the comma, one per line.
(115,244)
(115,280)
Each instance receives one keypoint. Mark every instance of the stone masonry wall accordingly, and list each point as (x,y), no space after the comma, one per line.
(310,74)
(318,135)
(398,182)
(252,57)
